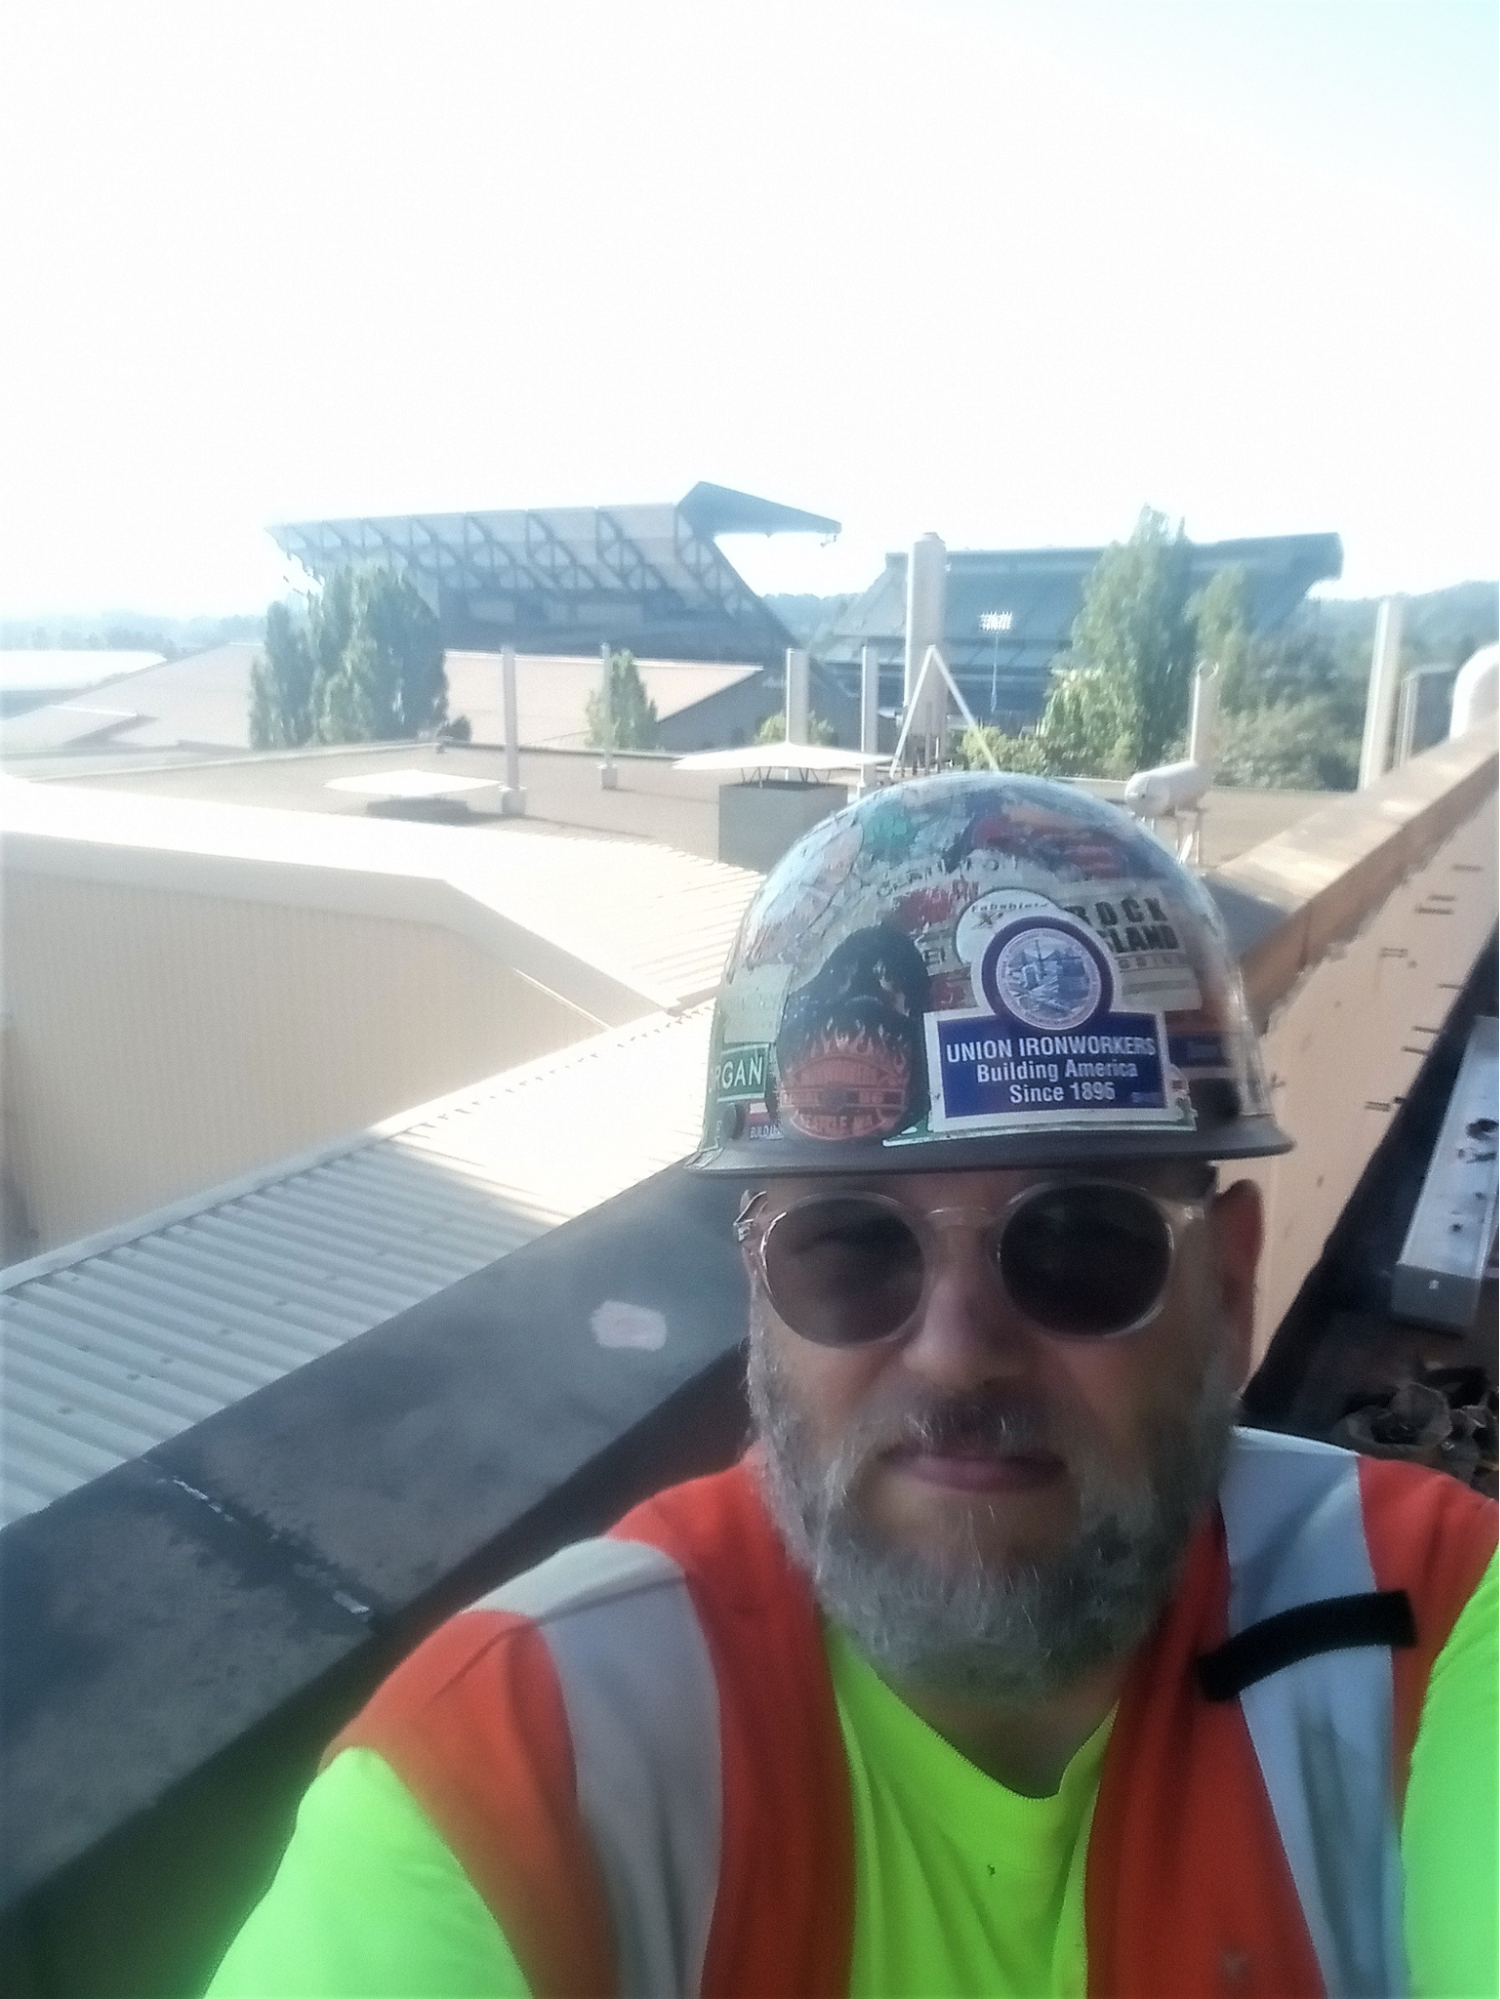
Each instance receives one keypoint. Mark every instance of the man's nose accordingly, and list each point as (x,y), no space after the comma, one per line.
(969,1331)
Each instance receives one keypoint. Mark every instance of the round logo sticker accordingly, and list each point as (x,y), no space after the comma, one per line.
(1046,977)
(997,911)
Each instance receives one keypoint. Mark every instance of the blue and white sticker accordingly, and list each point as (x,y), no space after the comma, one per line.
(1049,1044)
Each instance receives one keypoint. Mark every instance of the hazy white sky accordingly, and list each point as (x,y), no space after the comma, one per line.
(1003,270)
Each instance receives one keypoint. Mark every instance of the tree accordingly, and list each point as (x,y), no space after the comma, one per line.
(404,633)
(773,729)
(1221,622)
(366,665)
(633,719)
(387,679)
(281,685)
(1288,746)
(357,702)
(1090,725)
(1122,692)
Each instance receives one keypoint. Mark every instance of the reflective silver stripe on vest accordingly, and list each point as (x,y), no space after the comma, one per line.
(643,1712)
(1322,1727)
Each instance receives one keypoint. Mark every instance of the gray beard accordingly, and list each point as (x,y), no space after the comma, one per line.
(953,1624)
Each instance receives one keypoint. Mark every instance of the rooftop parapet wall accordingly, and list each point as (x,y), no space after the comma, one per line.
(1355,930)
(1288,900)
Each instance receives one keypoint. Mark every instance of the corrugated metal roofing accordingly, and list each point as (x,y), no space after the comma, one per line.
(116,1344)
(658,920)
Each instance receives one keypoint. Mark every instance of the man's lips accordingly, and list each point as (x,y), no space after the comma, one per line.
(977,1467)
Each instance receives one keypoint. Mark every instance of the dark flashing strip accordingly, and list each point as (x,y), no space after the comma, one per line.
(1337,1624)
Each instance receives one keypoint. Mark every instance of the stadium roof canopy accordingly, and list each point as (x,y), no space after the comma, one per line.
(1010,611)
(567,579)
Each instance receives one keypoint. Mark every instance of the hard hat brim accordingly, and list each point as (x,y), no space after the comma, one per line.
(1243,1138)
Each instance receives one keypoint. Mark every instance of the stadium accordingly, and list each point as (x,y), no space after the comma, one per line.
(564,580)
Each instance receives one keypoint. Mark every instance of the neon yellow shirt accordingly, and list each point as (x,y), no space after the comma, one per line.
(960,1885)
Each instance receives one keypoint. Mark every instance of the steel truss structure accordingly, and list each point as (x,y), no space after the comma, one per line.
(567,579)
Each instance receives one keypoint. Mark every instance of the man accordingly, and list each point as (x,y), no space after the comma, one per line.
(1004,1664)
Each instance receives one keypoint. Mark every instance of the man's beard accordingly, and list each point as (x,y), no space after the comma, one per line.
(957,1622)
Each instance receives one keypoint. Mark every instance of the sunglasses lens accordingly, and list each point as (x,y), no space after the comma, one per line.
(843,1270)
(1086,1261)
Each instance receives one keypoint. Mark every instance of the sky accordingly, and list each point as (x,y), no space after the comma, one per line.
(1004,271)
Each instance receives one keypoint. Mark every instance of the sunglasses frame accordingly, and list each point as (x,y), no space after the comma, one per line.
(753,1229)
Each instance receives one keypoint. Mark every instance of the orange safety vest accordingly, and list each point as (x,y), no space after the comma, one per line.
(635,1754)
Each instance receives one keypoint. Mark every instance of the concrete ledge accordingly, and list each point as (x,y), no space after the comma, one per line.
(1287,900)
(184,1634)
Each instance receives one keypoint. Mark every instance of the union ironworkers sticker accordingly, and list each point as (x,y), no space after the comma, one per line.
(1050,1044)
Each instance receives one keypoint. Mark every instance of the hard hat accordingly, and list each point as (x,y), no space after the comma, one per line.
(980,970)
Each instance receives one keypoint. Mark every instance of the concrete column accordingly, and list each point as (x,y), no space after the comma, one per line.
(797,715)
(1380,702)
(926,607)
(609,777)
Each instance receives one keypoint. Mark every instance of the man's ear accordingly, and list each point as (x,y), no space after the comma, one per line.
(1238,1224)
(750,1200)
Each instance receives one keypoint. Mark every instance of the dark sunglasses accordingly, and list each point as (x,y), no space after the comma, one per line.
(1081,1259)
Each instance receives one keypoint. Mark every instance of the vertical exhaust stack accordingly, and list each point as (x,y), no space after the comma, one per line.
(926,609)
(1203,729)
(798,718)
(513,798)
(1380,702)
(869,710)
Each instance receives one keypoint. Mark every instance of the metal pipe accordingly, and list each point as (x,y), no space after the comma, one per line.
(609,777)
(1204,726)
(1380,702)
(513,799)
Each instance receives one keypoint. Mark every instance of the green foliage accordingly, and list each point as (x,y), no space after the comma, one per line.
(1440,626)
(403,633)
(1122,694)
(366,666)
(773,729)
(1221,622)
(1291,703)
(1300,745)
(281,685)
(1090,726)
(1024,753)
(633,721)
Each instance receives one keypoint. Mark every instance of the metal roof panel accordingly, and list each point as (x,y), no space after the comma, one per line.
(121,1344)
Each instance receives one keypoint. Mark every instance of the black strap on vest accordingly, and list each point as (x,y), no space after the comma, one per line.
(1337,1624)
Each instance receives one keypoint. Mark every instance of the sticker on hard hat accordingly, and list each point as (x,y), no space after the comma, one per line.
(740,1074)
(848,1051)
(1049,1042)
